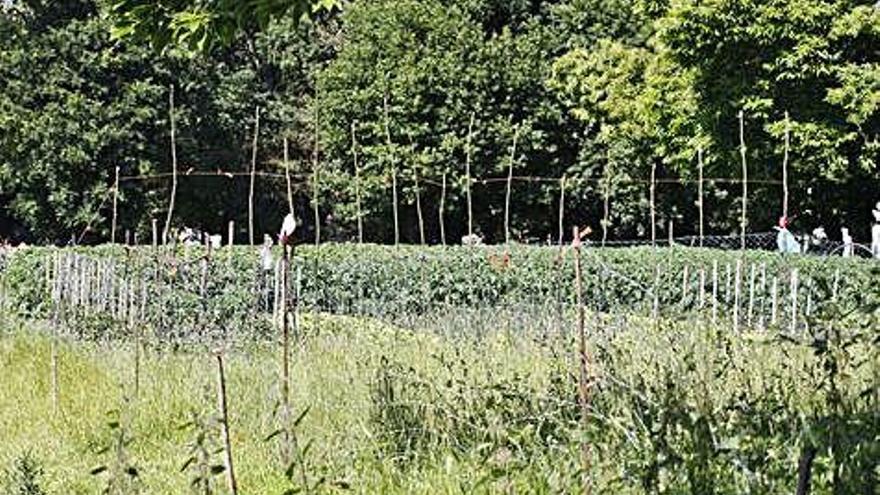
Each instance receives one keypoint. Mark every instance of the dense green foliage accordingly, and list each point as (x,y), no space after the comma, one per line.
(597,90)
(407,281)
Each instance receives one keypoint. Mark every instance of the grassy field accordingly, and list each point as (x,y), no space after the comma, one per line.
(674,408)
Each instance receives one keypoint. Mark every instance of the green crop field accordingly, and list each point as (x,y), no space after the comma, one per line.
(458,397)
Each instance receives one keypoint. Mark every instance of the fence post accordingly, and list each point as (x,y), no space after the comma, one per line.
(584,373)
(231,233)
(167,228)
(115,202)
(736,295)
(561,208)
(224,418)
(671,233)
(357,185)
(702,287)
(467,166)
(785,168)
(653,209)
(745,179)
(751,293)
(155,233)
(393,172)
(774,293)
(714,291)
(510,186)
(442,210)
(253,177)
(700,190)
(794,298)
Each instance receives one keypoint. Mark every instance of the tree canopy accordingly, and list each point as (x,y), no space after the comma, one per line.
(598,91)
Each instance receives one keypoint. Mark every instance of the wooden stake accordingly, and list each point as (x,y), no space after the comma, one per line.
(287,179)
(745,179)
(224,418)
(773,300)
(751,293)
(167,228)
(584,375)
(285,348)
(785,168)
(561,209)
(357,184)
(606,205)
(702,288)
(653,209)
(115,202)
(714,291)
(393,174)
(794,299)
(468,150)
(155,233)
(315,178)
(253,181)
(671,234)
(510,186)
(442,210)
(230,235)
(700,190)
(736,295)
(419,216)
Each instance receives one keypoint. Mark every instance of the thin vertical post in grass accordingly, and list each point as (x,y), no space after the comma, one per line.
(467,168)
(727,273)
(289,182)
(606,209)
(167,228)
(393,170)
(671,233)
(700,190)
(584,376)
(763,292)
(285,349)
(561,209)
(253,181)
(316,185)
(57,294)
(745,179)
(231,233)
(419,217)
(653,205)
(751,295)
(736,295)
(835,286)
(510,186)
(442,210)
(224,418)
(155,228)
(685,284)
(655,310)
(115,203)
(794,299)
(774,300)
(714,291)
(785,167)
(702,288)
(357,184)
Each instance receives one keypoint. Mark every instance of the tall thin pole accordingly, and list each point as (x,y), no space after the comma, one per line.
(653,205)
(287,178)
(418,198)
(510,186)
(167,228)
(561,209)
(357,183)
(583,360)
(606,208)
(700,190)
(253,176)
(785,167)
(745,179)
(224,416)
(115,203)
(393,173)
(442,210)
(315,178)
(467,166)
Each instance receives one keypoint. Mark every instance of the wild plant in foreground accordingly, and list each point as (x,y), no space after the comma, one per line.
(23,478)
(121,475)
